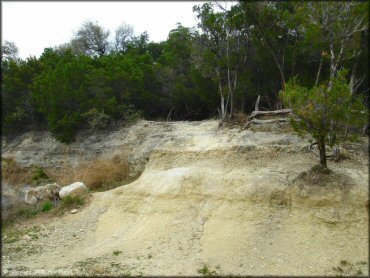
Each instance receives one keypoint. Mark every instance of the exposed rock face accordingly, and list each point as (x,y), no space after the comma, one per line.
(42,193)
(222,197)
(73,190)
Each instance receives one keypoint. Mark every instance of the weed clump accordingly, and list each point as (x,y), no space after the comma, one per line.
(72,201)
(116,252)
(205,270)
(48,205)
(39,176)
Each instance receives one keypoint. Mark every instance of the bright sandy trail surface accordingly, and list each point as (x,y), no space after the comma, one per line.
(226,199)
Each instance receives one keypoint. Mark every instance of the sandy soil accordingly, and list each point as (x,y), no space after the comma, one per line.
(210,201)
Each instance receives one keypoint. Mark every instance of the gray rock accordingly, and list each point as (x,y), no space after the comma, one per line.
(31,197)
(73,211)
(74,189)
(42,193)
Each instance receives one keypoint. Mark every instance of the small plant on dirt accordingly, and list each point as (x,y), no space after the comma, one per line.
(338,269)
(39,175)
(72,201)
(206,271)
(48,205)
(347,268)
(116,252)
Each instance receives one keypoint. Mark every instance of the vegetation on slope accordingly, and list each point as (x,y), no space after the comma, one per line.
(219,68)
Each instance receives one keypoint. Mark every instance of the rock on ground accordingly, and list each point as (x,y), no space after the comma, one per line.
(73,190)
(41,193)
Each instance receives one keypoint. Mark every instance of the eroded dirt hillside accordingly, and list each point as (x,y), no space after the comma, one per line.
(208,201)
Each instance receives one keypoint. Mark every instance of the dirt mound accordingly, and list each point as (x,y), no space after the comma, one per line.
(211,201)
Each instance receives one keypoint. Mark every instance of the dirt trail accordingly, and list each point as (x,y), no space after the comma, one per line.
(211,201)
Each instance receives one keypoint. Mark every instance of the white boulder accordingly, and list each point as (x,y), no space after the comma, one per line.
(74,189)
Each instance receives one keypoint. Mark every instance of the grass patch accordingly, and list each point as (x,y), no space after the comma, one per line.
(206,271)
(116,252)
(100,174)
(14,235)
(39,176)
(72,202)
(48,205)
(13,173)
(21,213)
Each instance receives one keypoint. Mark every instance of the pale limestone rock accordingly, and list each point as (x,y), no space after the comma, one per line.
(74,189)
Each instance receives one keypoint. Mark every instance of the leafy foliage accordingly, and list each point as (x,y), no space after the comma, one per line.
(48,205)
(326,114)
(235,54)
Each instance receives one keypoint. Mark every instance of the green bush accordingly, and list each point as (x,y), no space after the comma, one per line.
(39,175)
(326,111)
(70,201)
(48,205)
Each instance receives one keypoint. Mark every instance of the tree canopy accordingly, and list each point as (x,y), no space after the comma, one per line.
(101,79)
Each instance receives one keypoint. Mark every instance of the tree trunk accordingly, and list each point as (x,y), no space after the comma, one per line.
(256,109)
(232,93)
(228,77)
(332,66)
(223,112)
(321,145)
(318,72)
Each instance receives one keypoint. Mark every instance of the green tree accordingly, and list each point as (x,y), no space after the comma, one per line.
(211,53)
(62,94)
(9,51)
(17,108)
(340,27)
(325,112)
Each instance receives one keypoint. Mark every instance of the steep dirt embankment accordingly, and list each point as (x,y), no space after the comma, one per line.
(209,200)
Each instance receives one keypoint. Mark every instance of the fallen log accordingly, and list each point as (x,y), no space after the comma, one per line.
(270,121)
(254,114)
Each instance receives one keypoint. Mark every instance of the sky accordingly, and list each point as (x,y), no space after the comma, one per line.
(33,26)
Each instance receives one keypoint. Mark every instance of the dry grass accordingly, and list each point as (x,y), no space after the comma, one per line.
(98,174)
(238,121)
(12,173)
